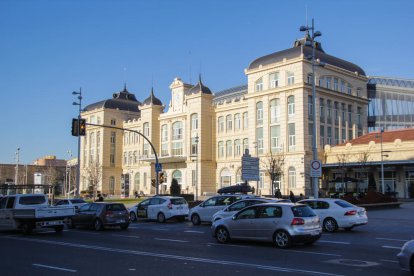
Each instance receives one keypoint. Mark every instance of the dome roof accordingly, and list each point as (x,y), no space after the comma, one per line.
(199,87)
(122,100)
(303,47)
(152,99)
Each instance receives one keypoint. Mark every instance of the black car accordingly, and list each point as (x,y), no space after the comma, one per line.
(239,188)
(99,215)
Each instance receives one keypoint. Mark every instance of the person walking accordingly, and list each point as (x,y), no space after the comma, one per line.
(278,194)
(291,196)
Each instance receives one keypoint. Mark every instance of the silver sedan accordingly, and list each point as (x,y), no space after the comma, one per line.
(282,223)
(406,257)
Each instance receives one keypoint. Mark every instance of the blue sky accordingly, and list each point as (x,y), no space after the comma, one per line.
(50,48)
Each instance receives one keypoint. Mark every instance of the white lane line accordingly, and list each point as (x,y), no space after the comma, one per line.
(230,245)
(391,247)
(336,242)
(386,239)
(55,267)
(177,257)
(194,231)
(390,261)
(126,236)
(159,239)
(316,253)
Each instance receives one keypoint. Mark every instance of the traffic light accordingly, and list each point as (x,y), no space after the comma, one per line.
(82,127)
(161,179)
(75,127)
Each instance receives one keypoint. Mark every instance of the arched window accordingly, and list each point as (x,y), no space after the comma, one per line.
(245,144)
(220,149)
(225,178)
(164,140)
(112,185)
(237,121)
(291,105)
(259,85)
(177,128)
(259,113)
(229,123)
(220,124)
(146,129)
(194,121)
(292,178)
(245,120)
(137,182)
(229,148)
(274,111)
(178,176)
(237,148)
(238,176)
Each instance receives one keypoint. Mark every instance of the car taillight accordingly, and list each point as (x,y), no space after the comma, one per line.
(109,214)
(298,221)
(351,213)
(169,205)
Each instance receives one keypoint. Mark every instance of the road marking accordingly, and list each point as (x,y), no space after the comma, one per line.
(231,245)
(159,239)
(126,236)
(390,261)
(391,247)
(55,267)
(336,242)
(177,257)
(194,231)
(316,253)
(386,239)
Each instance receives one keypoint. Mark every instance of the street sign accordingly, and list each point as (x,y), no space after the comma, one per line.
(250,168)
(158,167)
(316,168)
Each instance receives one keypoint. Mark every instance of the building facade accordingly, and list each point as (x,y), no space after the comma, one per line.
(200,136)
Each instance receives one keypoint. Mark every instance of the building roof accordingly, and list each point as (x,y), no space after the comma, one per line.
(122,100)
(199,87)
(302,47)
(391,82)
(406,134)
(230,93)
(152,99)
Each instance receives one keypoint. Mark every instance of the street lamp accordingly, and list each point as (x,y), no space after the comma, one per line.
(196,176)
(79,103)
(68,174)
(382,162)
(314,144)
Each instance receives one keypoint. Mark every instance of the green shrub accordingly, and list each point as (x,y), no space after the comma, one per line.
(175,188)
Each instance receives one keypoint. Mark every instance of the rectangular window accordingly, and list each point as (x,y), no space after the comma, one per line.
(336,113)
(321,110)
(113,122)
(359,111)
(290,78)
(259,116)
(322,136)
(349,115)
(261,181)
(336,85)
(328,83)
(275,138)
(343,135)
(349,89)
(229,148)
(310,134)
(221,149)
(274,80)
(164,149)
(343,111)
(229,123)
(221,124)
(342,86)
(329,134)
(350,136)
(177,148)
(237,148)
(245,145)
(292,137)
(260,140)
(336,136)
(274,111)
(245,121)
(310,107)
(237,122)
(194,146)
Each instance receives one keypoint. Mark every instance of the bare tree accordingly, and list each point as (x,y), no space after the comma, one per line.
(343,160)
(52,178)
(362,160)
(94,176)
(274,163)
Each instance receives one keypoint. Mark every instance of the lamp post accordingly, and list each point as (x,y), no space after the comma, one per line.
(16,177)
(196,176)
(314,144)
(79,103)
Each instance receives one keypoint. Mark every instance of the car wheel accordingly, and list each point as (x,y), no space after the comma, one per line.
(283,239)
(124,226)
(97,225)
(27,229)
(222,235)
(195,219)
(330,225)
(133,216)
(59,228)
(161,217)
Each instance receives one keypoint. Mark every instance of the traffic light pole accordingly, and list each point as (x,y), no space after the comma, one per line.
(79,139)
(152,146)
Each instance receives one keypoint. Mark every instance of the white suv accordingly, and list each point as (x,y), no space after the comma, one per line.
(160,208)
(204,211)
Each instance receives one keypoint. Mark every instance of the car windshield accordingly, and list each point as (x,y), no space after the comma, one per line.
(177,201)
(115,207)
(302,211)
(75,201)
(344,204)
(32,200)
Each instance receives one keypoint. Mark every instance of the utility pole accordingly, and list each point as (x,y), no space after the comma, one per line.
(79,103)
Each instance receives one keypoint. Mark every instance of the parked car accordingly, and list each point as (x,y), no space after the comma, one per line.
(75,202)
(238,205)
(160,208)
(282,223)
(99,215)
(406,257)
(204,211)
(337,213)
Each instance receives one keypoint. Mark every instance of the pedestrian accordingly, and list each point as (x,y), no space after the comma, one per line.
(278,194)
(136,194)
(301,196)
(100,198)
(253,190)
(291,196)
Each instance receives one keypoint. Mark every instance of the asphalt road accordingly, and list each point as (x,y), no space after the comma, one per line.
(179,248)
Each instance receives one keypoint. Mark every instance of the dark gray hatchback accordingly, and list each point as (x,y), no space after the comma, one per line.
(99,215)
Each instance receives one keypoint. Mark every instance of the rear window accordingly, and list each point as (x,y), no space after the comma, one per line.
(32,200)
(177,201)
(115,207)
(344,204)
(75,201)
(302,211)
